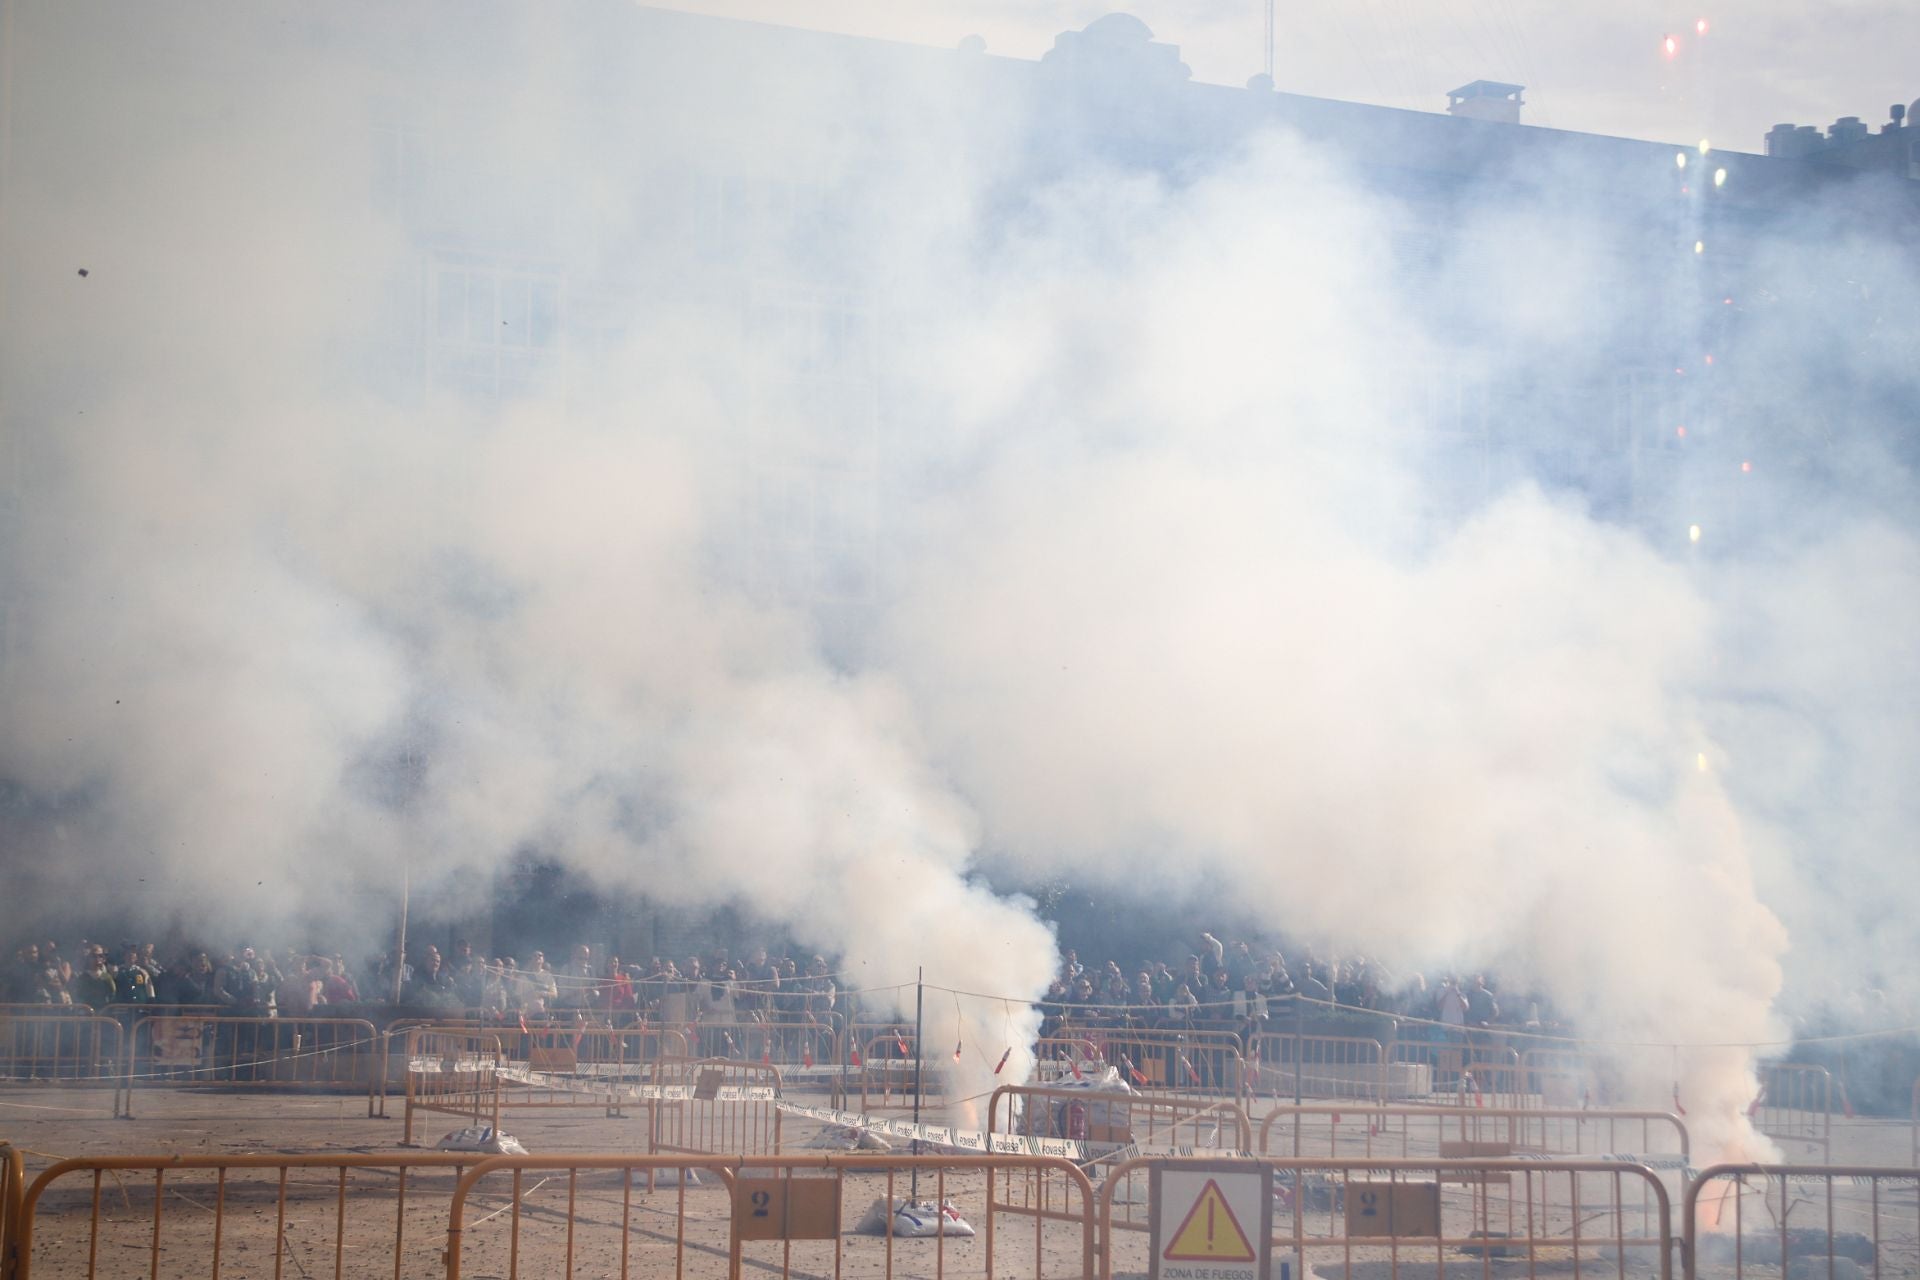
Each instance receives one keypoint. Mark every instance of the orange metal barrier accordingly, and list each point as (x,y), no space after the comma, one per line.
(1097,1118)
(1559,1077)
(1409,1132)
(889,1073)
(1796,1105)
(13,1179)
(712,1215)
(1474,1073)
(776,1043)
(76,1049)
(453,1073)
(1823,1223)
(323,1054)
(1501,1214)
(1209,1063)
(714,1106)
(302,1215)
(1317,1066)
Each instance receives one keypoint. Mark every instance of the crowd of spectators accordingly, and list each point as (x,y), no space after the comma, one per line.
(1221,985)
(1239,987)
(256,983)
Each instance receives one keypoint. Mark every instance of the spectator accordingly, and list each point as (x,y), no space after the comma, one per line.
(617,990)
(180,986)
(24,980)
(432,985)
(132,983)
(336,987)
(469,975)
(1482,1008)
(95,987)
(575,981)
(299,991)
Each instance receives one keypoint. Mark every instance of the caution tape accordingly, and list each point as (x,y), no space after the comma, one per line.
(602,1087)
(1005,1144)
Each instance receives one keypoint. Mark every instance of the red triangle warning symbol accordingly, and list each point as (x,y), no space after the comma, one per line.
(1210,1233)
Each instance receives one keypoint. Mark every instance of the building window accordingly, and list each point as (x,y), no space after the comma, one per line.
(493,331)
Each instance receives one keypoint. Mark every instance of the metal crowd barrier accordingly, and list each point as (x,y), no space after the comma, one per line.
(1821,1223)
(889,1073)
(453,1073)
(783,1044)
(1408,1132)
(1568,1217)
(304,1215)
(320,1054)
(714,1106)
(1559,1077)
(779,1215)
(1318,1067)
(1168,1060)
(72,1049)
(1796,1105)
(1473,1073)
(1097,1118)
(13,1180)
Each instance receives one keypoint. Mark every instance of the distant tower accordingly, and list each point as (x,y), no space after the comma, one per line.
(1487,100)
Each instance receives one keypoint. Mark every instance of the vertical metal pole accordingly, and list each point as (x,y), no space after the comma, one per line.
(1269,41)
(919,1064)
(406,891)
(1299,1045)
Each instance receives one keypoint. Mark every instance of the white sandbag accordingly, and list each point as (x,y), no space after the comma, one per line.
(484,1139)
(841,1137)
(914,1219)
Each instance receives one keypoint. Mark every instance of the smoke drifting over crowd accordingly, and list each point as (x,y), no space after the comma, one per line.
(1162,579)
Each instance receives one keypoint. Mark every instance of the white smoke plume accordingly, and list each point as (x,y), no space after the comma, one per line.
(1167,577)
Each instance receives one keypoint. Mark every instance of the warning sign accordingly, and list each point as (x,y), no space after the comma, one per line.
(1211,1233)
(1212,1221)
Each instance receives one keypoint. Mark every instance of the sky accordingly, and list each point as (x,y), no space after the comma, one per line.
(1594,67)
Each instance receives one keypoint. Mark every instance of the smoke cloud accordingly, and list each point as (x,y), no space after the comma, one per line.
(903,497)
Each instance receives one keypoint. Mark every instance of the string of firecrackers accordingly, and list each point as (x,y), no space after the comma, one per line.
(1545,1038)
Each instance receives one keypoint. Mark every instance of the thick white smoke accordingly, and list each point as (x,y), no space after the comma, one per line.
(1172,581)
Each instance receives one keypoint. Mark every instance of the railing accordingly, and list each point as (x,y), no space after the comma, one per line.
(1473,1072)
(453,1073)
(1560,1077)
(13,1180)
(1331,1131)
(1796,1105)
(72,1049)
(1279,1064)
(714,1106)
(1208,1063)
(1099,1119)
(889,1072)
(1822,1223)
(317,1054)
(785,1215)
(1513,1217)
(295,1214)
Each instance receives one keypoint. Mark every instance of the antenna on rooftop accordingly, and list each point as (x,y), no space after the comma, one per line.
(1269,41)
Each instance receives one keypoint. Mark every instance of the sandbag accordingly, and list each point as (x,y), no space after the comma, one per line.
(914,1219)
(483,1139)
